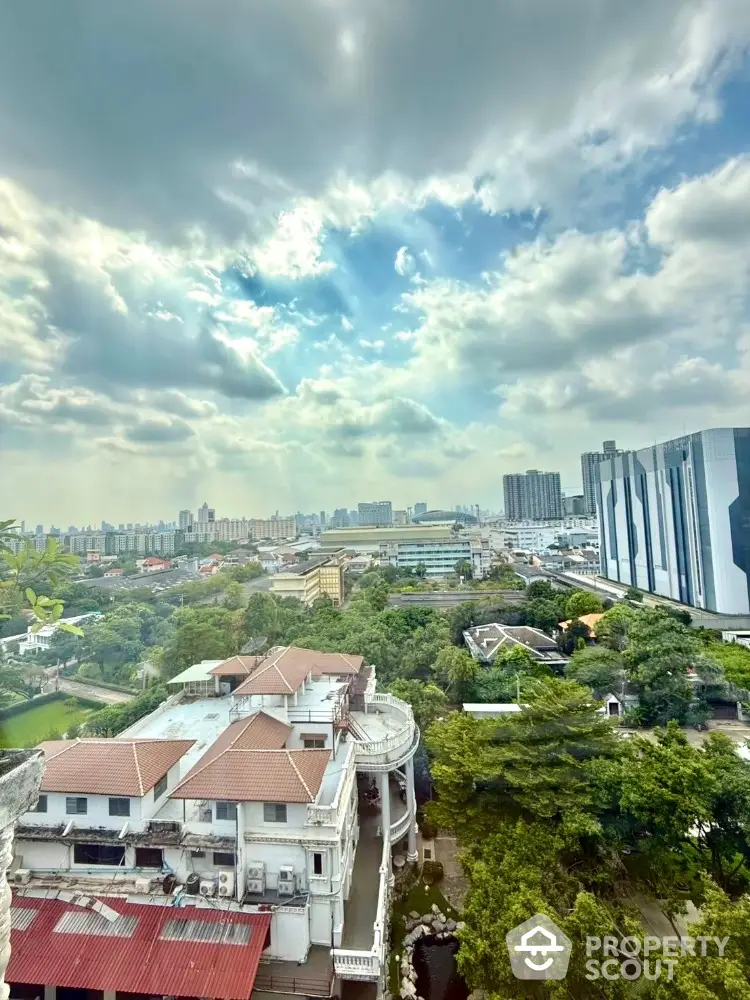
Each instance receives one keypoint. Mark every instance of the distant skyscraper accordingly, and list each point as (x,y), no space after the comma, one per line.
(589,462)
(574,506)
(533,496)
(206,514)
(379,512)
(675,519)
(185,520)
(353,518)
(39,529)
(323,519)
(420,508)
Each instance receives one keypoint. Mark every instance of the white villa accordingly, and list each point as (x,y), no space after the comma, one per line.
(265,793)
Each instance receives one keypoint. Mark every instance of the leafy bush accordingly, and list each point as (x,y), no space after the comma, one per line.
(432,872)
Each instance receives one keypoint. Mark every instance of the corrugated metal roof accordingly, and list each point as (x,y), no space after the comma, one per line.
(147,961)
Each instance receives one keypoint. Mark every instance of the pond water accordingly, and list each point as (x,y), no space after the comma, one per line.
(437,976)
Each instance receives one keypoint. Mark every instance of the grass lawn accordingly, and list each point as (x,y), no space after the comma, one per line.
(29,728)
(419,899)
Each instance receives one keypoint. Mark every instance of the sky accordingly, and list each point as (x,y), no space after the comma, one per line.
(296,254)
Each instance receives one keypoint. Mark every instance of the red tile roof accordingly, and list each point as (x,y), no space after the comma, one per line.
(257,776)
(144,960)
(109,766)
(235,666)
(258,732)
(283,669)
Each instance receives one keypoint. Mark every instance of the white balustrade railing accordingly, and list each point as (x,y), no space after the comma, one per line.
(395,742)
(330,815)
(367,965)
(400,827)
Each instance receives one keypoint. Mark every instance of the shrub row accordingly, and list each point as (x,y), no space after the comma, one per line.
(26,706)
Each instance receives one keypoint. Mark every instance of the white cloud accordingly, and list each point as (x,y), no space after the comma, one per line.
(405,265)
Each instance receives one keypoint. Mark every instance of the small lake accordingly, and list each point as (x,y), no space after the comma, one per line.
(437,976)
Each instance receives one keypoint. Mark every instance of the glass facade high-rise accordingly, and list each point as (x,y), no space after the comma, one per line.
(589,462)
(676,519)
(420,508)
(533,496)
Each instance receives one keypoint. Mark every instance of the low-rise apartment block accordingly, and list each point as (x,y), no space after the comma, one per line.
(438,558)
(228,817)
(306,582)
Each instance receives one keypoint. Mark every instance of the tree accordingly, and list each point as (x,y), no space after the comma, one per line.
(461,618)
(597,667)
(582,602)
(574,637)
(193,642)
(613,627)
(234,597)
(464,568)
(532,763)
(262,617)
(420,570)
(734,661)
(711,977)
(428,701)
(540,590)
(634,594)
(457,670)
(542,614)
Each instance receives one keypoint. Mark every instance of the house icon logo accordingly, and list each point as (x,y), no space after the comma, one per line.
(538,949)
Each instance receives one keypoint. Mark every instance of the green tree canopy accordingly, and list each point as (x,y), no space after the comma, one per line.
(597,667)
(582,602)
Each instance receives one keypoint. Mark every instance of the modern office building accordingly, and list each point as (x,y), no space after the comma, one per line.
(420,508)
(676,519)
(185,520)
(589,462)
(380,512)
(533,496)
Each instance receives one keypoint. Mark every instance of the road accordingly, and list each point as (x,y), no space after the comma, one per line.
(452,598)
(104,695)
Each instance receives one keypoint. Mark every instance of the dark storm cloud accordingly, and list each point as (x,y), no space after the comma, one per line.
(132,112)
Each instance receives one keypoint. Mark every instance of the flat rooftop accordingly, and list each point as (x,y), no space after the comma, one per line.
(199,719)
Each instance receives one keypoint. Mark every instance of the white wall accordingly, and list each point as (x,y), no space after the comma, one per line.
(97,815)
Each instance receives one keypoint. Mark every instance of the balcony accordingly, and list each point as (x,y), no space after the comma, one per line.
(385,734)
(362,954)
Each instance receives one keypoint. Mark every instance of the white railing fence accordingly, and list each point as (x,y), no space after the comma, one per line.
(368,965)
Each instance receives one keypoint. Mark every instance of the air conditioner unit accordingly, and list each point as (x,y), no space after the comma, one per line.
(226,882)
(21,876)
(207,887)
(287,885)
(256,876)
(143,886)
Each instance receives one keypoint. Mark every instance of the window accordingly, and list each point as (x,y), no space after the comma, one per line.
(111,855)
(314,743)
(317,863)
(274,812)
(149,857)
(119,807)
(197,854)
(226,810)
(41,805)
(76,806)
(223,859)
(160,787)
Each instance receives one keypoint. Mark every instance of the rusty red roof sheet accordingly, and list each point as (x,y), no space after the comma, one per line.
(109,766)
(152,952)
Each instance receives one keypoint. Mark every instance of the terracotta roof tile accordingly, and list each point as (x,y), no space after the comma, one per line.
(235,666)
(284,668)
(258,732)
(109,766)
(258,776)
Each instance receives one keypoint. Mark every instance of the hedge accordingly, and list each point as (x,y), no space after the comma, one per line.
(26,706)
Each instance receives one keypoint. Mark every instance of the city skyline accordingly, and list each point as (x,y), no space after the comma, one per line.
(210,285)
